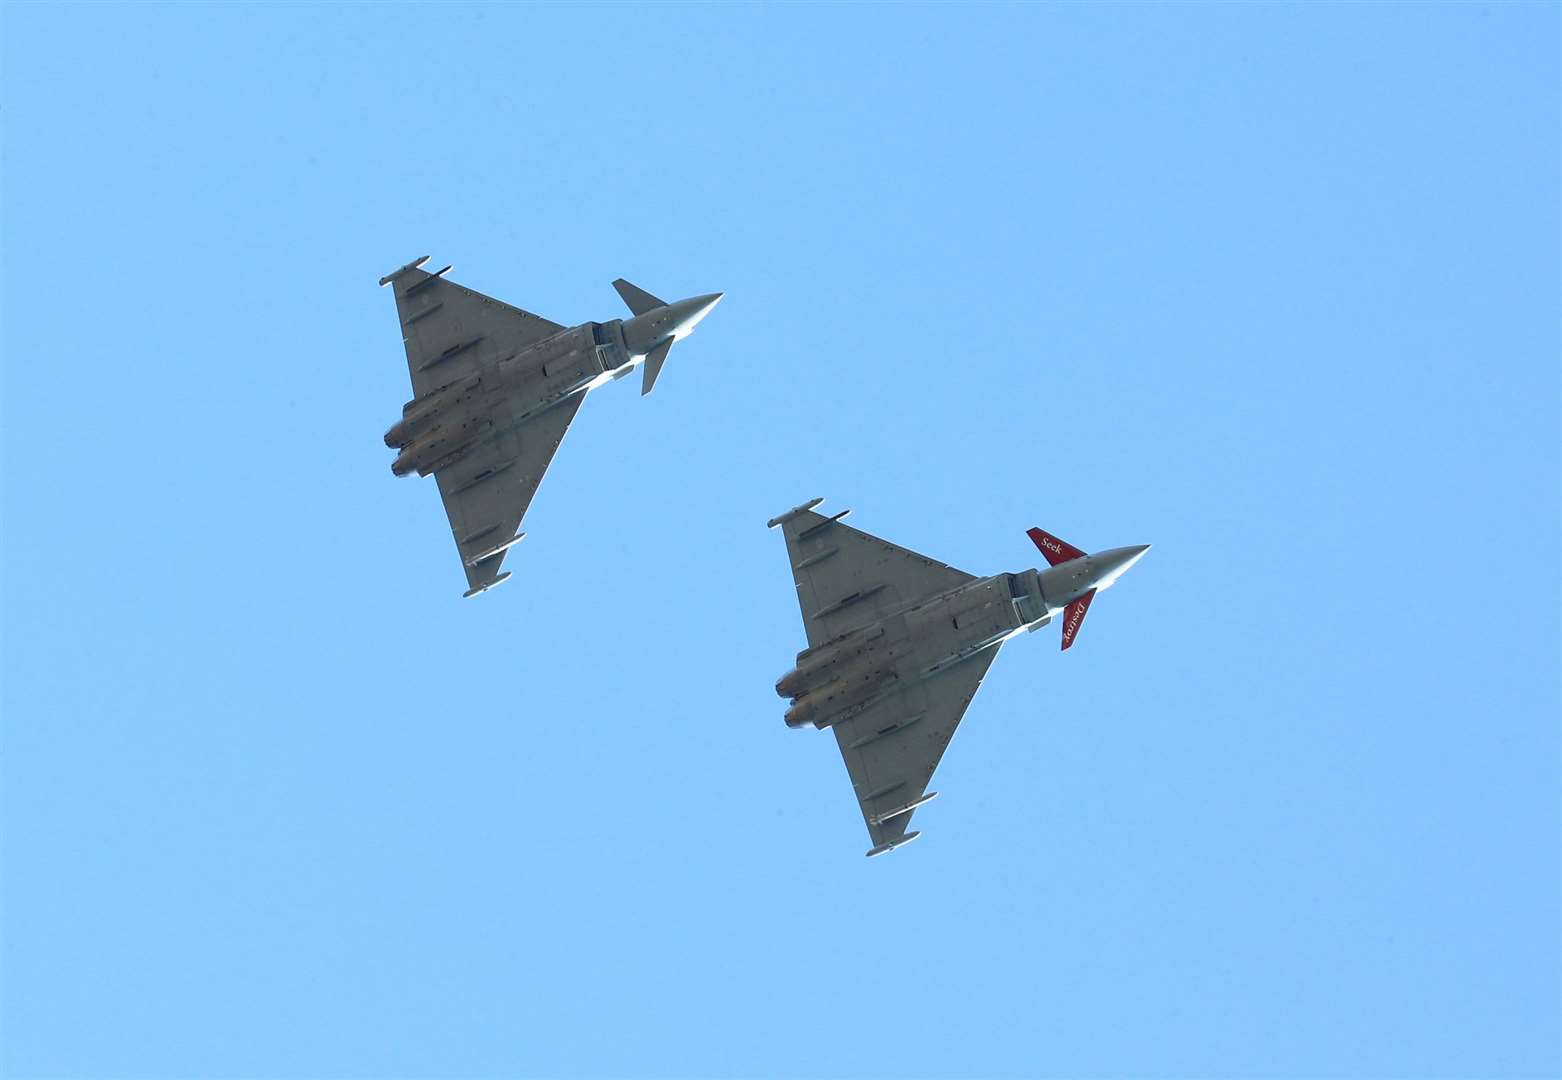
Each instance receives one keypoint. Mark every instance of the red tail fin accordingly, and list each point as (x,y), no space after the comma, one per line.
(1073,616)
(1056,551)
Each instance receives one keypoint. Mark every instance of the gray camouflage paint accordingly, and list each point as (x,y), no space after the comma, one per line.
(495,388)
(899,644)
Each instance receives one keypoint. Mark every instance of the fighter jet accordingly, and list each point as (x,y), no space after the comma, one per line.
(495,388)
(898,645)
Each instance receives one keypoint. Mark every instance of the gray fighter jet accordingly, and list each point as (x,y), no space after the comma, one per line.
(495,388)
(899,643)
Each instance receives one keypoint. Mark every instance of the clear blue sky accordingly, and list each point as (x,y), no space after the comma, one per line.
(1274,288)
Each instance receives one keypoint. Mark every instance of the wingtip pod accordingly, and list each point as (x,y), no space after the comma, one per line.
(394,274)
(801,508)
(883,849)
(478,590)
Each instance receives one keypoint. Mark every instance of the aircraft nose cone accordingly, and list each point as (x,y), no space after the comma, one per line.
(695,309)
(1111,565)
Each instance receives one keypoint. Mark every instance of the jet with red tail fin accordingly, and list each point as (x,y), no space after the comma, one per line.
(899,643)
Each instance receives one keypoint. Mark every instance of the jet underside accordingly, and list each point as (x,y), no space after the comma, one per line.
(494,390)
(894,654)
(438,428)
(899,643)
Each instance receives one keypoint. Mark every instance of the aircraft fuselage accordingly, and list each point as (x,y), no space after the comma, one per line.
(437,428)
(844,676)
